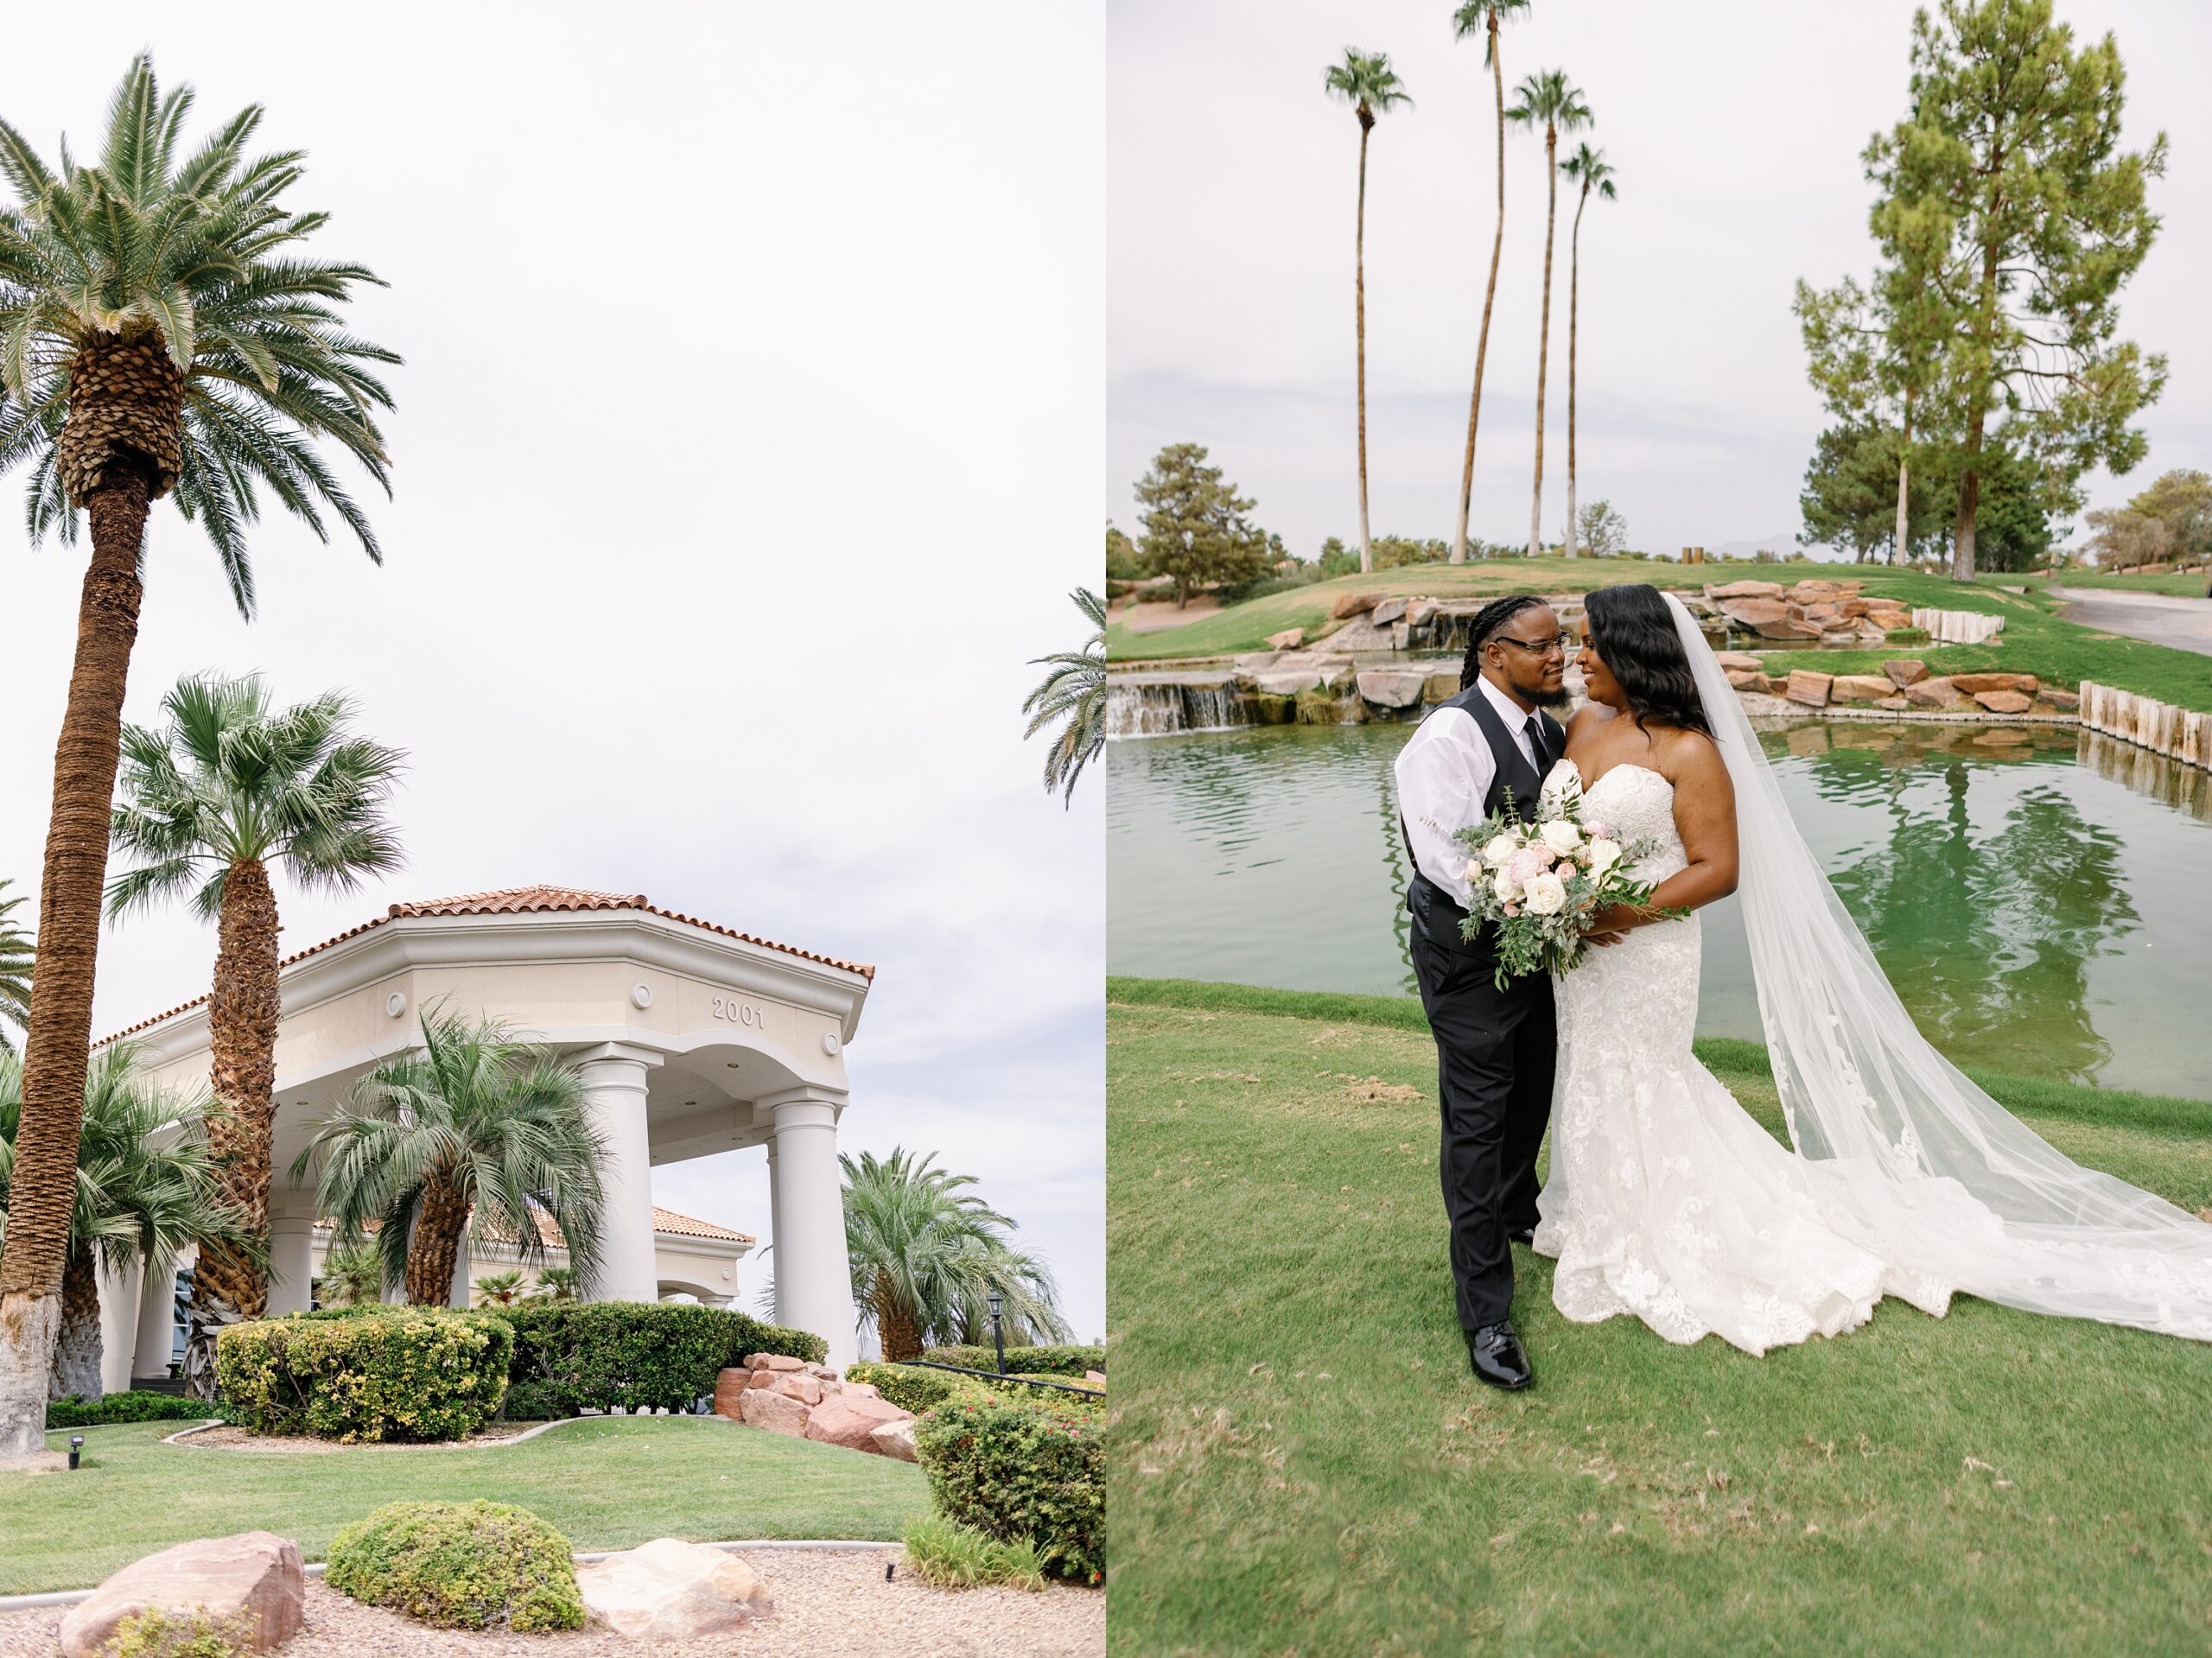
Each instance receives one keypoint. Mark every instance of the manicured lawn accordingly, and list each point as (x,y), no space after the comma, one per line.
(2035,641)
(1303,1464)
(2170,583)
(606,1482)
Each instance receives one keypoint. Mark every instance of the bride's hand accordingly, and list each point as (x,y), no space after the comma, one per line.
(1611,924)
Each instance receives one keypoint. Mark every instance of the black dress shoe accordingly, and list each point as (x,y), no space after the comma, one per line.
(1494,1353)
(1521,1235)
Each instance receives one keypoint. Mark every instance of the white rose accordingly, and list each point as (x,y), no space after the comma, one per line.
(1501,848)
(1547,895)
(1561,834)
(1603,854)
(1505,887)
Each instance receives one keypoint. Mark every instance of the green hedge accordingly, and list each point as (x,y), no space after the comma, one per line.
(1034,1361)
(575,1355)
(466,1565)
(136,1406)
(395,1373)
(1022,1474)
(915,1388)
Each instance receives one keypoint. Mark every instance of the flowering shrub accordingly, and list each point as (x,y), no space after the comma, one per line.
(573,1355)
(466,1565)
(917,1389)
(392,1373)
(1022,1473)
(1071,1361)
(156,1633)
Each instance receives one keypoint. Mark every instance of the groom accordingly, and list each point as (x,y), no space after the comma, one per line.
(1495,1048)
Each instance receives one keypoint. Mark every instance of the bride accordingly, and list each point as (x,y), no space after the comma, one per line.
(1665,1199)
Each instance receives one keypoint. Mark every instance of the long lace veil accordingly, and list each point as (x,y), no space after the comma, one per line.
(1934,1174)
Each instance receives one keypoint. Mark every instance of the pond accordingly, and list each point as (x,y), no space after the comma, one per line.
(2038,896)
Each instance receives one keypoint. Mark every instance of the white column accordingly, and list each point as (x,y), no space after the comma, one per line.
(814,1287)
(291,1262)
(614,1083)
(459,1292)
(119,1323)
(775,1226)
(156,1336)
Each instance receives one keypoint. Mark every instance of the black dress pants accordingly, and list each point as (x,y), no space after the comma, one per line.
(1495,1050)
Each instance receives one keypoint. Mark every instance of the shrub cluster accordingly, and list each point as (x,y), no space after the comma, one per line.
(1029,1361)
(138,1405)
(946,1556)
(573,1356)
(390,1372)
(156,1633)
(1022,1473)
(915,1388)
(466,1565)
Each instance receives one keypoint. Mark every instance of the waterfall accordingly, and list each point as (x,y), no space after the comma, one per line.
(1143,710)
(1212,708)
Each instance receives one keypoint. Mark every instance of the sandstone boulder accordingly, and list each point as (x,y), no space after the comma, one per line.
(729,1389)
(2005,702)
(1860,687)
(1353,604)
(1932,694)
(1094,1379)
(1285,682)
(1750,679)
(1904,671)
(807,1389)
(779,1412)
(1751,612)
(862,1390)
(1893,702)
(1809,688)
(893,1439)
(849,1421)
(670,1590)
(1442,686)
(1388,611)
(822,1372)
(774,1362)
(254,1577)
(2064,702)
(1253,661)
(1822,613)
(1401,635)
(1394,688)
(1746,590)
(1743,660)
(1974,684)
(1289,639)
(1419,611)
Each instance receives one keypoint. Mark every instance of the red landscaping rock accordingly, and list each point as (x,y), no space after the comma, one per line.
(729,1388)
(1750,679)
(1932,694)
(774,1362)
(2005,702)
(777,1412)
(1860,687)
(1906,671)
(1974,684)
(1809,688)
(851,1421)
(805,1388)
(1353,604)
(254,1575)
(1289,639)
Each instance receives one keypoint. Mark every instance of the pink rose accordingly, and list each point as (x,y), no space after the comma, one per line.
(1596,830)
(1526,863)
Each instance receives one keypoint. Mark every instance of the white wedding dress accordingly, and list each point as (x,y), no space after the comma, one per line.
(1664,1198)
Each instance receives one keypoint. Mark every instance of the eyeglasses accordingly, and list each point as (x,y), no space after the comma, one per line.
(1566,644)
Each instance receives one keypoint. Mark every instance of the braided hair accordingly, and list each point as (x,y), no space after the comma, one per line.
(1492,617)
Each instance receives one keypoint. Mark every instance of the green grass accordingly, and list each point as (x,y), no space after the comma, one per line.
(1303,1464)
(605,1482)
(2172,582)
(2035,642)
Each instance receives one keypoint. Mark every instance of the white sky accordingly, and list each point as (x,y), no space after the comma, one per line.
(746,450)
(1736,131)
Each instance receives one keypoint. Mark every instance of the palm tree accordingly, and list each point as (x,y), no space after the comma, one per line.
(1075,689)
(161,333)
(1366,81)
(1588,168)
(474,1120)
(1483,15)
(557,1284)
(1546,100)
(499,1289)
(16,949)
(352,1274)
(146,1189)
(925,1253)
(209,804)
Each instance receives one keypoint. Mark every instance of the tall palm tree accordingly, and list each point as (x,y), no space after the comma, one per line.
(474,1120)
(1547,100)
(1075,690)
(925,1252)
(161,333)
(1483,15)
(228,791)
(16,951)
(1587,168)
(1366,81)
(145,1190)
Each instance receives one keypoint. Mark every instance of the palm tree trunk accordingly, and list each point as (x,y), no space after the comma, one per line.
(894,1322)
(1573,308)
(76,1367)
(1544,338)
(226,1285)
(60,1037)
(435,1248)
(1489,296)
(1359,308)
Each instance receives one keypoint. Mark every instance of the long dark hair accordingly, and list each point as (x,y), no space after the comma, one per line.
(1635,633)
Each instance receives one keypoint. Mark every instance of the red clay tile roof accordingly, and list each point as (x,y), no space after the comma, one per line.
(519,900)
(664,1220)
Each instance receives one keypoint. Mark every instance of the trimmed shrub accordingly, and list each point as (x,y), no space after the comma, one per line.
(399,1373)
(196,1634)
(1069,1362)
(138,1405)
(914,1389)
(573,1356)
(947,1556)
(1022,1474)
(462,1566)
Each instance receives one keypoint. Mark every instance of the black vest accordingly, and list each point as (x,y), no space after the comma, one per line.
(1435,913)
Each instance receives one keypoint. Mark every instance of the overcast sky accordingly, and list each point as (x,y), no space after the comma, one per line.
(1735,129)
(746,448)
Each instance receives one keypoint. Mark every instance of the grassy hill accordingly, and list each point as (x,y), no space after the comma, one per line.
(2035,640)
(1304,1465)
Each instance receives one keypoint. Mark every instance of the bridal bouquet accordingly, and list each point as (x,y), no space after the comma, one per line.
(1541,883)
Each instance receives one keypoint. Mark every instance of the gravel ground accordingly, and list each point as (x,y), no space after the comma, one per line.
(231,1438)
(827,1606)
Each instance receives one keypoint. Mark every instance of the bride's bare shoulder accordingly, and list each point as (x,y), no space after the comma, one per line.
(1588,717)
(1693,758)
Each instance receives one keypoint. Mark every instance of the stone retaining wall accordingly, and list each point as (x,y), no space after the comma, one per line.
(2179,733)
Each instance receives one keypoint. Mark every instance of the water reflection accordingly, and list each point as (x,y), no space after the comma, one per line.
(2018,885)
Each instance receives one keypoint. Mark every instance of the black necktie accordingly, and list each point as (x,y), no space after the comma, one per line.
(1536,742)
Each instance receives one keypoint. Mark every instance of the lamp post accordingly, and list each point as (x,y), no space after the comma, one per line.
(998,1328)
(77,1446)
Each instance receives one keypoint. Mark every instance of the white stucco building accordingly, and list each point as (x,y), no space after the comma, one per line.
(693,1039)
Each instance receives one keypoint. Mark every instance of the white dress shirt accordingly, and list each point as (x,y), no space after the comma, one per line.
(1443,774)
